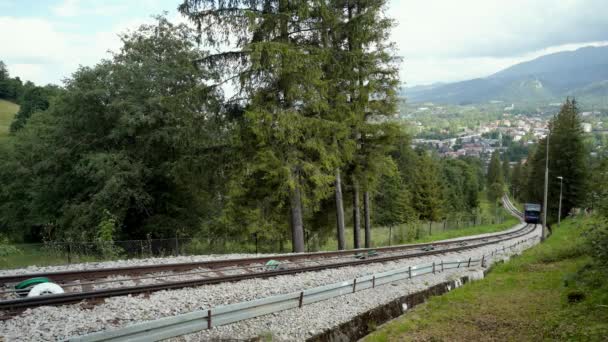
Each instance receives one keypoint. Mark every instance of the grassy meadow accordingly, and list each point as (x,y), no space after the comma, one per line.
(7,112)
(553,292)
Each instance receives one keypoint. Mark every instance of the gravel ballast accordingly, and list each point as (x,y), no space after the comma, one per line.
(55,323)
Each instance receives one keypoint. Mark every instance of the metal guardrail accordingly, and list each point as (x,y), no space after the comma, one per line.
(206,319)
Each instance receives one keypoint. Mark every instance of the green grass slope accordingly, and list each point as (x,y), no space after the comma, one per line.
(7,112)
(550,293)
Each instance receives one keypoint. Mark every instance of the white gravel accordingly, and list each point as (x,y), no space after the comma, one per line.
(127,263)
(53,323)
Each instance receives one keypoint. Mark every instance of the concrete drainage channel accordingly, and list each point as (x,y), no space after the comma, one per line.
(216,317)
(365,323)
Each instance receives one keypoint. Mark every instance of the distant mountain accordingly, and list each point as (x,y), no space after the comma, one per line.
(582,73)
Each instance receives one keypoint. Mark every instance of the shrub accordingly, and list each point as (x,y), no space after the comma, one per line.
(105,236)
(6,248)
(596,238)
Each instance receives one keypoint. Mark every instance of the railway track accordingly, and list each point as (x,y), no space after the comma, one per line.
(511,208)
(64,277)
(81,284)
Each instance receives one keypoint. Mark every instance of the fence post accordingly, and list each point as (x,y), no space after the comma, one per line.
(209,319)
(176,245)
(409,271)
(469,264)
(354,285)
(69,252)
(430,228)
(441,265)
(433,267)
(444,223)
(149,245)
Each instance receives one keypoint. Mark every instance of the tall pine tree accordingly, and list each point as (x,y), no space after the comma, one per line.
(494,178)
(427,194)
(278,63)
(363,80)
(568,159)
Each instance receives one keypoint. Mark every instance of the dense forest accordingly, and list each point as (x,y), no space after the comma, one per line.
(151,141)
(290,128)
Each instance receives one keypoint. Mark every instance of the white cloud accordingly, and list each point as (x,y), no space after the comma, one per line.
(68,8)
(27,71)
(73,8)
(31,39)
(494,28)
(416,71)
(457,40)
(43,53)
(439,40)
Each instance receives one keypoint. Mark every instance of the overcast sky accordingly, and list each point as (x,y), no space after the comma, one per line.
(439,40)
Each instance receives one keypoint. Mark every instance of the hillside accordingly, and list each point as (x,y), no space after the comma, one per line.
(7,112)
(582,73)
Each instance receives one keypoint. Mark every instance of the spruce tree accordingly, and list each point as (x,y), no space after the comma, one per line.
(362,91)
(278,63)
(568,159)
(506,169)
(494,178)
(393,202)
(427,194)
(516,181)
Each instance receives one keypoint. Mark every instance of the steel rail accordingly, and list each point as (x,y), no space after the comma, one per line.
(174,326)
(98,273)
(511,208)
(59,299)
(181,274)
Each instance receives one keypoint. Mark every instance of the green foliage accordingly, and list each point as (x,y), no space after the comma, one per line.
(535,301)
(518,181)
(393,202)
(305,118)
(144,143)
(107,228)
(506,169)
(120,137)
(33,99)
(461,185)
(7,113)
(427,196)
(106,231)
(597,240)
(10,88)
(597,197)
(567,158)
(6,248)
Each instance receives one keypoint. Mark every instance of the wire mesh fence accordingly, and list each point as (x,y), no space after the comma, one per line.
(66,252)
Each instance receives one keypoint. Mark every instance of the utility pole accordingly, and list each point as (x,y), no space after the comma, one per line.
(542,236)
(559,212)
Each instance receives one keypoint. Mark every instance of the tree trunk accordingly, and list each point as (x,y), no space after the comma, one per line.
(297,225)
(356,215)
(339,211)
(368,223)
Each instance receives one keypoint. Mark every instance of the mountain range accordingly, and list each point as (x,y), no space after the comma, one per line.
(582,73)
